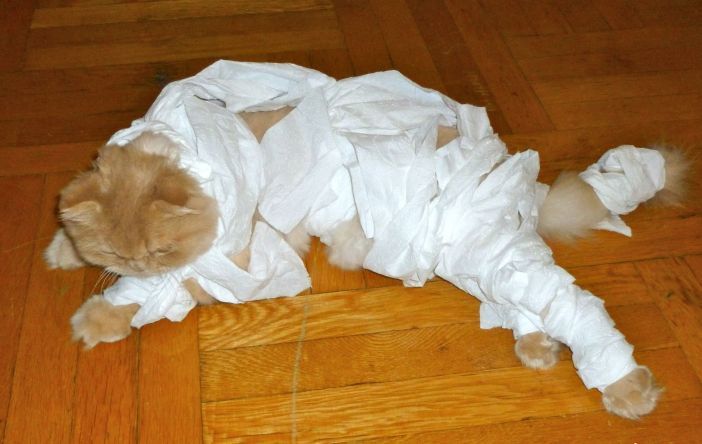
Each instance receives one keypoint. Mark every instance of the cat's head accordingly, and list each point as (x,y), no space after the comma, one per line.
(137,213)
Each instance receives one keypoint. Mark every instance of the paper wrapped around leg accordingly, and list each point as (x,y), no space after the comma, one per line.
(365,148)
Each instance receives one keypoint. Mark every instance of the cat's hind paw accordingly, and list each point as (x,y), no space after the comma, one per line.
(634,395)
(61,253)
(537,350)
(99,321)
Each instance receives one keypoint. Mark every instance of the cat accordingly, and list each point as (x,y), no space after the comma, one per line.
(136,213)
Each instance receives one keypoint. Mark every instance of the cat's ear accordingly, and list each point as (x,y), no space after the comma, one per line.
(171,210)
(78,201)
(157,144)
(83,212)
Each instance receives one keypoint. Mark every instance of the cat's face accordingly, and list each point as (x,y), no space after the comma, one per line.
(136,213)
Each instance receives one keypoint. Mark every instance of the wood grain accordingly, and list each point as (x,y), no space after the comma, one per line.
(672,419)
(678,294)
(614,88)
(458,70)
(17,161)
(407,49)
(326,277)
(362,37)
(105,385)
(512,92)
(581,17)
(43,388)
(620,14)
(165,10)
(334,314)
(385,409)
(391,356)
(15,18)
(169,382)
(17,245)
(181,48)
(618,284)
(527,47)
(359,357)
(545,17)
(677,58)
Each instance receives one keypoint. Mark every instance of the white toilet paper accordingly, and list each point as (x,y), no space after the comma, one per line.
(366,146)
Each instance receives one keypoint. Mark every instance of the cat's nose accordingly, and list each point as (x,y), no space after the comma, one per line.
(136,266)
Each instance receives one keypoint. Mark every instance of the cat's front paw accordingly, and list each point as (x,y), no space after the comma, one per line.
(538,350)
(634,395)
(61,253)
(99,321)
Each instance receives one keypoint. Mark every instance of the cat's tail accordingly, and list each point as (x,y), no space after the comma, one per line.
(572,207)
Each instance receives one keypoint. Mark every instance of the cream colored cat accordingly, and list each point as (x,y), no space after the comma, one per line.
(137,213)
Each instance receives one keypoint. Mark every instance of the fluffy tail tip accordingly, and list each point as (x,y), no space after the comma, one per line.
(678,164)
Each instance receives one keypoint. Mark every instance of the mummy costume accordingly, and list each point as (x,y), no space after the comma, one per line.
(366,146)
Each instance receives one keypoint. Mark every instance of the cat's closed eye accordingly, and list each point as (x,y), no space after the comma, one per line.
(108,252)
(161,251)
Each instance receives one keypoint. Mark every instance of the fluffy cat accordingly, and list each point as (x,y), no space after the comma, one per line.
(137,214)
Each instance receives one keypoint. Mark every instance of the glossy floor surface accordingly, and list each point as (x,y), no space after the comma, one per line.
(358,357)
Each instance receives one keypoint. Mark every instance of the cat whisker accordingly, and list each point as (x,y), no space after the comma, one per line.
(24,244)
(110,278)
(97,282)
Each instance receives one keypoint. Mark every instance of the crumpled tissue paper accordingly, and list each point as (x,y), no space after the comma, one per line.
(365,146)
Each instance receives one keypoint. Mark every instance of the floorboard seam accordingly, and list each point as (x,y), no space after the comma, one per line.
(296,374)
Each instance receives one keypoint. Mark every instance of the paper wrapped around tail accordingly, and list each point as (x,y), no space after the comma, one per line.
(366,146)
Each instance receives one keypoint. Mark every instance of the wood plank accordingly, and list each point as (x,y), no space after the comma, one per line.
(404,42)
(351,360)
(545,17)
(386,409)
(571,90)
(122,77)
(679,295)
(333,314)
(695,264)
(41,408)
(169,382)
(16,161)
(662,238)
(512,92)
(610,63)
(326,277)
(653,13)
(671,419)
(385,309)
(81,103)
(106,386)
(66,129)
(363,38)
(301,58)
(618,284)
(18,228)
(332,62)
(375,280)
(82,15)
(649,109)
(619,14)
(186,47)
(526,47)
(509,16)
(15,18)
(581,16)
(391,356)
(164,31)
(459,72)
(584,146)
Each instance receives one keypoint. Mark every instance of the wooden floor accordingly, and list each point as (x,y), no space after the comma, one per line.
(359,357)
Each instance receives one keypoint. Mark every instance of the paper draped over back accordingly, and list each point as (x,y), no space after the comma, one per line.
(366,145)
